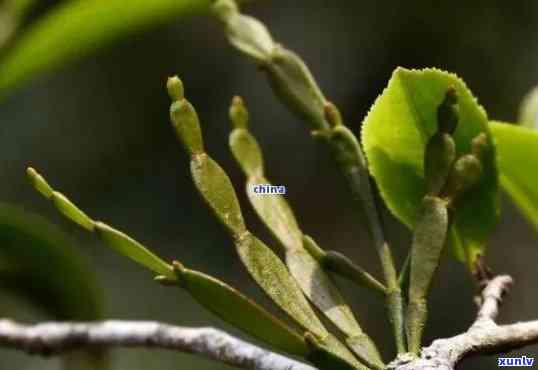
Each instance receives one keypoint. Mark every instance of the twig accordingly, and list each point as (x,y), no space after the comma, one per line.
(55,338)
(483,337)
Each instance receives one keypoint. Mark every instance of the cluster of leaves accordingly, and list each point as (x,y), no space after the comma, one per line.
(429,146)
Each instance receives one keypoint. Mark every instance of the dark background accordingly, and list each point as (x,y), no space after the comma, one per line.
(99,130)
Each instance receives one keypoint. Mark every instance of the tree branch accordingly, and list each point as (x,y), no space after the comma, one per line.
(483,337)
(55,338)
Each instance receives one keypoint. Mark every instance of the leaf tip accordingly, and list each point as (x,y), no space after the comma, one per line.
(39,183)
(175,88)
(238,113)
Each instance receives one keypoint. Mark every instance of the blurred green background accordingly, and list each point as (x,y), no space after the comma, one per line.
(99,130)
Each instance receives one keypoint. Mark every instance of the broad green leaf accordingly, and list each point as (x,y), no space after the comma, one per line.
(74,29)
(41,265)
(394,135)
(517,149)
(238,310)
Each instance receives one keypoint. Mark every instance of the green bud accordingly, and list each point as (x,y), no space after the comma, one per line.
(465,174)
(528,112)
(71,211)
(39,183)
(175,88)
(187,125)
(238,113)
(128,247)
(293,83)
(448,112)
(439,155)
(479,145)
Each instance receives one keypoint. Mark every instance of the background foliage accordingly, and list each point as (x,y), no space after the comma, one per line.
(100,129)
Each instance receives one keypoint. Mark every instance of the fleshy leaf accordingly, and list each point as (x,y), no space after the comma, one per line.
(74,29)
(518,147)
(117,240)
(262,263)
(394,135)
(307,270)
(236,309)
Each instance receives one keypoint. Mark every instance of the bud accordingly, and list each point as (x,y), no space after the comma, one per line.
(293,83)
(187,125)
(448,112)
(439,156)
(479,145)
(465,174)
(239,113)
(175,88)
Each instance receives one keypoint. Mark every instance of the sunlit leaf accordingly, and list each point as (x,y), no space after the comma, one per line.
(517,149)
(394,136)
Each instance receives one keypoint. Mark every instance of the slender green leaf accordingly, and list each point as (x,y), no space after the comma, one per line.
(262,263)
(277,215)
(238,310)
(518,149)
(117,240)
(429,238)
(394,135)
(74,29)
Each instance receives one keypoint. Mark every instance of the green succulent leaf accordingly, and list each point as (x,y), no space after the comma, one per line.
(307,270)
(218,192)
(517,147)
(75,29)
(394,135)
(117,240)
(273,276)
(236,309)
(41,265)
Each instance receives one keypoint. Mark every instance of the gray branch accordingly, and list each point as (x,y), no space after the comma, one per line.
(483,337)
(56,338)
